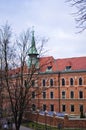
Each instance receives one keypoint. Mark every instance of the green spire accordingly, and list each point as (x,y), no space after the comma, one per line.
(33,49)
(33,59)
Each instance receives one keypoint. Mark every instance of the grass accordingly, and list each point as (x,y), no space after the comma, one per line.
(36,126)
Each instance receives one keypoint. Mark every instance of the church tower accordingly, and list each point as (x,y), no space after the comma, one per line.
(33,54)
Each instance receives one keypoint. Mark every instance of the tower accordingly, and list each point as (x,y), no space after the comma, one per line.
(33,54)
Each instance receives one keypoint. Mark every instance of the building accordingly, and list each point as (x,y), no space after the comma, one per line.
(65,83)
(61,83)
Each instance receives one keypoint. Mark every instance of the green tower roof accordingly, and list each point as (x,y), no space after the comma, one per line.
(33,49)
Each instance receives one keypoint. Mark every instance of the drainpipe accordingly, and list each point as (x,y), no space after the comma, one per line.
(59,90)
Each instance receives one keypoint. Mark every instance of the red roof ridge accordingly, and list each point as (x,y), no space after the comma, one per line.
(71,58)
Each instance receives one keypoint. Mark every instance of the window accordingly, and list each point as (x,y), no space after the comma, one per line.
(71,81)
(49,67)
(51,95)
(80,94)
(72,108)
(71,94)
(25,83)
(44,107)
(33,94)
(44,95)
(68,67)
(63,108)
(51,82)
(33,83)
(81,108)
(33,107)
(51,107)
(63,94)
(43,82)
(63,82)
(80,81)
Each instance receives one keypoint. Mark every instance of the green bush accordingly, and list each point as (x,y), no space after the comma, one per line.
(82,115)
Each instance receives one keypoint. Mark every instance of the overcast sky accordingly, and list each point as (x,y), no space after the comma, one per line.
(50,18)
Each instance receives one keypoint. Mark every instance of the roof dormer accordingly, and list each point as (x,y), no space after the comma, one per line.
(49,69)
(68,66)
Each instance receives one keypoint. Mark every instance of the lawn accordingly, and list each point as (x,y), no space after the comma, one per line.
(36,126)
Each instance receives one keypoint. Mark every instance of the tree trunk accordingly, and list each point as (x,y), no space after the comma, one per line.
(17,127)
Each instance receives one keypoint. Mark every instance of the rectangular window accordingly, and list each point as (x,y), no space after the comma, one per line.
(51,82)
(44,107)
(33,83)
(81,108)
(44,95)
(63,108)
(68,67)
(33,107)
(33,94)
(43,82)
(72,108)
(63,94)
(49,67)
(51,107)
(80,94)
(51,95)
(71,94)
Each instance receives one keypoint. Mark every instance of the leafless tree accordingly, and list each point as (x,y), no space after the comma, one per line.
(80,14)
(18,78)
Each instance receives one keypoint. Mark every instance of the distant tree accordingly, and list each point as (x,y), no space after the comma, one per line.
(80,14)
(17,77)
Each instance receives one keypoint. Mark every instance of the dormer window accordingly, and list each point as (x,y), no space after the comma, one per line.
(68,67)
(49,68)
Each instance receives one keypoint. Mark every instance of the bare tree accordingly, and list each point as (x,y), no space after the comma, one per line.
(19,79)
(80,14)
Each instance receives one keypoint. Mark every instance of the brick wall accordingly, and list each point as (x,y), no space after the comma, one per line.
(74,123)
(55,121)
(57,100)
(44,119)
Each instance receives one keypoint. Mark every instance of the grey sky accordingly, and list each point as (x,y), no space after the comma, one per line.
(50,18)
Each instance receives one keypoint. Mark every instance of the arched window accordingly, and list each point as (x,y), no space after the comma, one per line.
(51,82)
(33,107)
(80,81)
(63,82)
(71,81)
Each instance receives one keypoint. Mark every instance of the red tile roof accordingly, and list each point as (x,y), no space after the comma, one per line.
(47,61)
(76,63)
